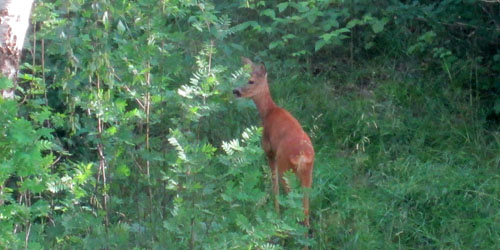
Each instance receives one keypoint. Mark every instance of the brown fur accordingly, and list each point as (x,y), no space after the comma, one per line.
(285,143)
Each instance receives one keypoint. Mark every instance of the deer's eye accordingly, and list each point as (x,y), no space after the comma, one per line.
(250,82)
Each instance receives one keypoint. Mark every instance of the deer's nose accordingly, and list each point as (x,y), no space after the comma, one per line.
(237,92)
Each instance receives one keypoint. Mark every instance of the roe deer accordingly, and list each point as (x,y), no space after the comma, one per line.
(284,141)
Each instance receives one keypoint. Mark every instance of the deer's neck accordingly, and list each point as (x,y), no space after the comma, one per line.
(264,103)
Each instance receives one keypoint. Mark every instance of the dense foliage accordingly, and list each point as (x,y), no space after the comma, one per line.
(124,133)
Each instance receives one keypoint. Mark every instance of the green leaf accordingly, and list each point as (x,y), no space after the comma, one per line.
(342,30)
(33,185)
(45,145)
(300,6)
(369,45)
(275,44)
(353,23)
(40,208)
(268,12)
(123,170)
(5,83)
(6,168)
(243,222)
(22,132)
(8,109)
(334,33)
(378,25)
(42,116)
(319,44)
(282,6)
(288,37)
(311,18)
(243,26)
(367,18)
(329,24)
(110,131)
(226,197)
(121,28)
(237,46)
(427,36)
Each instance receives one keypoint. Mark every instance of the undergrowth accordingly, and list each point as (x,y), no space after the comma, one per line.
(403,161)
(125,134)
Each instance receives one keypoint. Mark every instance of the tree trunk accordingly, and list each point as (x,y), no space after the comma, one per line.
(14,21)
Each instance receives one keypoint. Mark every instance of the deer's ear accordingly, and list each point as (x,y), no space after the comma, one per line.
(260,70)
(245,60)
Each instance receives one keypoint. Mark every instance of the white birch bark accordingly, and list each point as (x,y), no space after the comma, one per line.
(14,21)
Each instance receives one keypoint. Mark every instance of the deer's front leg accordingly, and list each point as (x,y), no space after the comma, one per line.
(274,170)
(276,187)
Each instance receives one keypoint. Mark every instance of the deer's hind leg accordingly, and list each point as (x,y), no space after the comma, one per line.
(304,172)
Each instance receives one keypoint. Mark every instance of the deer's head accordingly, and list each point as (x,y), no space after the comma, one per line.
(257,84)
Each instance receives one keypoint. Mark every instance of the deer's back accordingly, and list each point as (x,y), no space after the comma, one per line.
(285,137)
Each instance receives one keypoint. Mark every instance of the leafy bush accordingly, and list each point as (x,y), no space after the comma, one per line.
(125,134)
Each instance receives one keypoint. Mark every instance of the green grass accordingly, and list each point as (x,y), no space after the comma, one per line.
(403,161)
